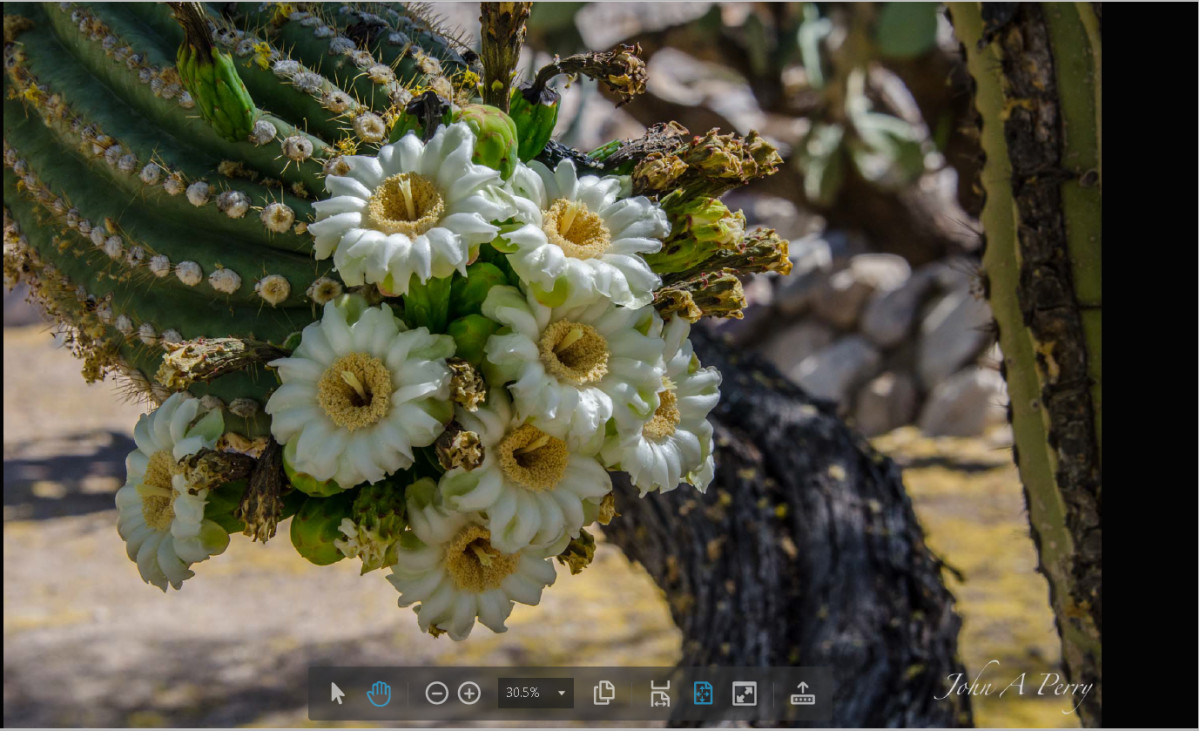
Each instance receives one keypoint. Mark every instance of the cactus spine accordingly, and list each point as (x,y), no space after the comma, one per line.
(1037,89)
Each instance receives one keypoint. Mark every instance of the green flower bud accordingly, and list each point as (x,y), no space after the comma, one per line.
(534,112)
(496,137)
(317,525)
(470,334)
(467,293)
(376,522)
(211,78)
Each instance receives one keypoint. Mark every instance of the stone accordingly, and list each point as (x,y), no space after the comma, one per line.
(965,404)
(18,311)
(811,261)
(887,402)
(840,300)
(845,245)
(758,290)
(810,254)
(953,332)
(786,348)
(744,331)
(888,316)
(835,372)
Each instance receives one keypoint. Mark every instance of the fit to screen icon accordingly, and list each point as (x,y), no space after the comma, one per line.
(745,693)
(702,693)
(603,693)
(380,694)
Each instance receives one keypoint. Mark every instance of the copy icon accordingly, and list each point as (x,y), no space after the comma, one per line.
(603,693)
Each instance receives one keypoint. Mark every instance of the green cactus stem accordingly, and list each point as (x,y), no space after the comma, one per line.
(1037,91)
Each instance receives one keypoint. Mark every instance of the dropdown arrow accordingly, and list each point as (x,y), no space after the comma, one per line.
(562,692)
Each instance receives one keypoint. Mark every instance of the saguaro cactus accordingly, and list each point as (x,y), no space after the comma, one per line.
(1037,90)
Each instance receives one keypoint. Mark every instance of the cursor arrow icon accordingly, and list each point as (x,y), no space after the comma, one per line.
(335,693)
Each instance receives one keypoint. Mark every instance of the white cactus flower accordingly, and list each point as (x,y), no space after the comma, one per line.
(448,564)
(359,393)
(674,443)
(414,210)
(160,519)
(570,365)
(530,487)
(582,237)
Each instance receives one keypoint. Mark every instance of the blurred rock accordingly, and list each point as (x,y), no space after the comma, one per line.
(965,404)
(758,290)
(811,261)
(18,312)
(680,78)
(845,245)
(836,371)
(889,315)
(745,331)
(778,213)
(787,348)
(887,402)
(953,332)
(840,300)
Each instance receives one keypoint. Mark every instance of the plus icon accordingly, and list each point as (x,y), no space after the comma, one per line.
(469,693)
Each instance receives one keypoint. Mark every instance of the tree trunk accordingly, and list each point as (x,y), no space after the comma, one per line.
(804,551)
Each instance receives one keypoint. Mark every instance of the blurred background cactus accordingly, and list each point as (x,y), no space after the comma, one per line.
(1037,90)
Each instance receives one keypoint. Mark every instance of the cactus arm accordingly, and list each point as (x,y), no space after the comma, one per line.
(1042,266)
(180,122)
(254,56)
(304,46)
(109,118)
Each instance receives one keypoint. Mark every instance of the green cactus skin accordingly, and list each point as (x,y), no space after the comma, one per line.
(1037,79)
(315,526)
(101,141)
(168,114)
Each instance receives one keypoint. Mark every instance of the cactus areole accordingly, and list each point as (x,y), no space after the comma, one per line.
(360,295)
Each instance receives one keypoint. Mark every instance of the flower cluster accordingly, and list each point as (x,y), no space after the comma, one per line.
(455,416)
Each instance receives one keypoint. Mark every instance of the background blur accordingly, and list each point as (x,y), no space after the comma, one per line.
(868,105)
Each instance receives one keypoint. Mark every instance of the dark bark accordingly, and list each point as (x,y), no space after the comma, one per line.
(804,551)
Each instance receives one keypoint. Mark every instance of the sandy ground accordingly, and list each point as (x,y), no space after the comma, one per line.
(87,643)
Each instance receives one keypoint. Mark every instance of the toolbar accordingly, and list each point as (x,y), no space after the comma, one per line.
(563,694)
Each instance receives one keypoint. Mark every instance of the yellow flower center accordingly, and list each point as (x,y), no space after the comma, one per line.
(476,566)
(666,416)
(574,352)
(156,492)
(407,204)
(570,226)
(532,459)
(355,391)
